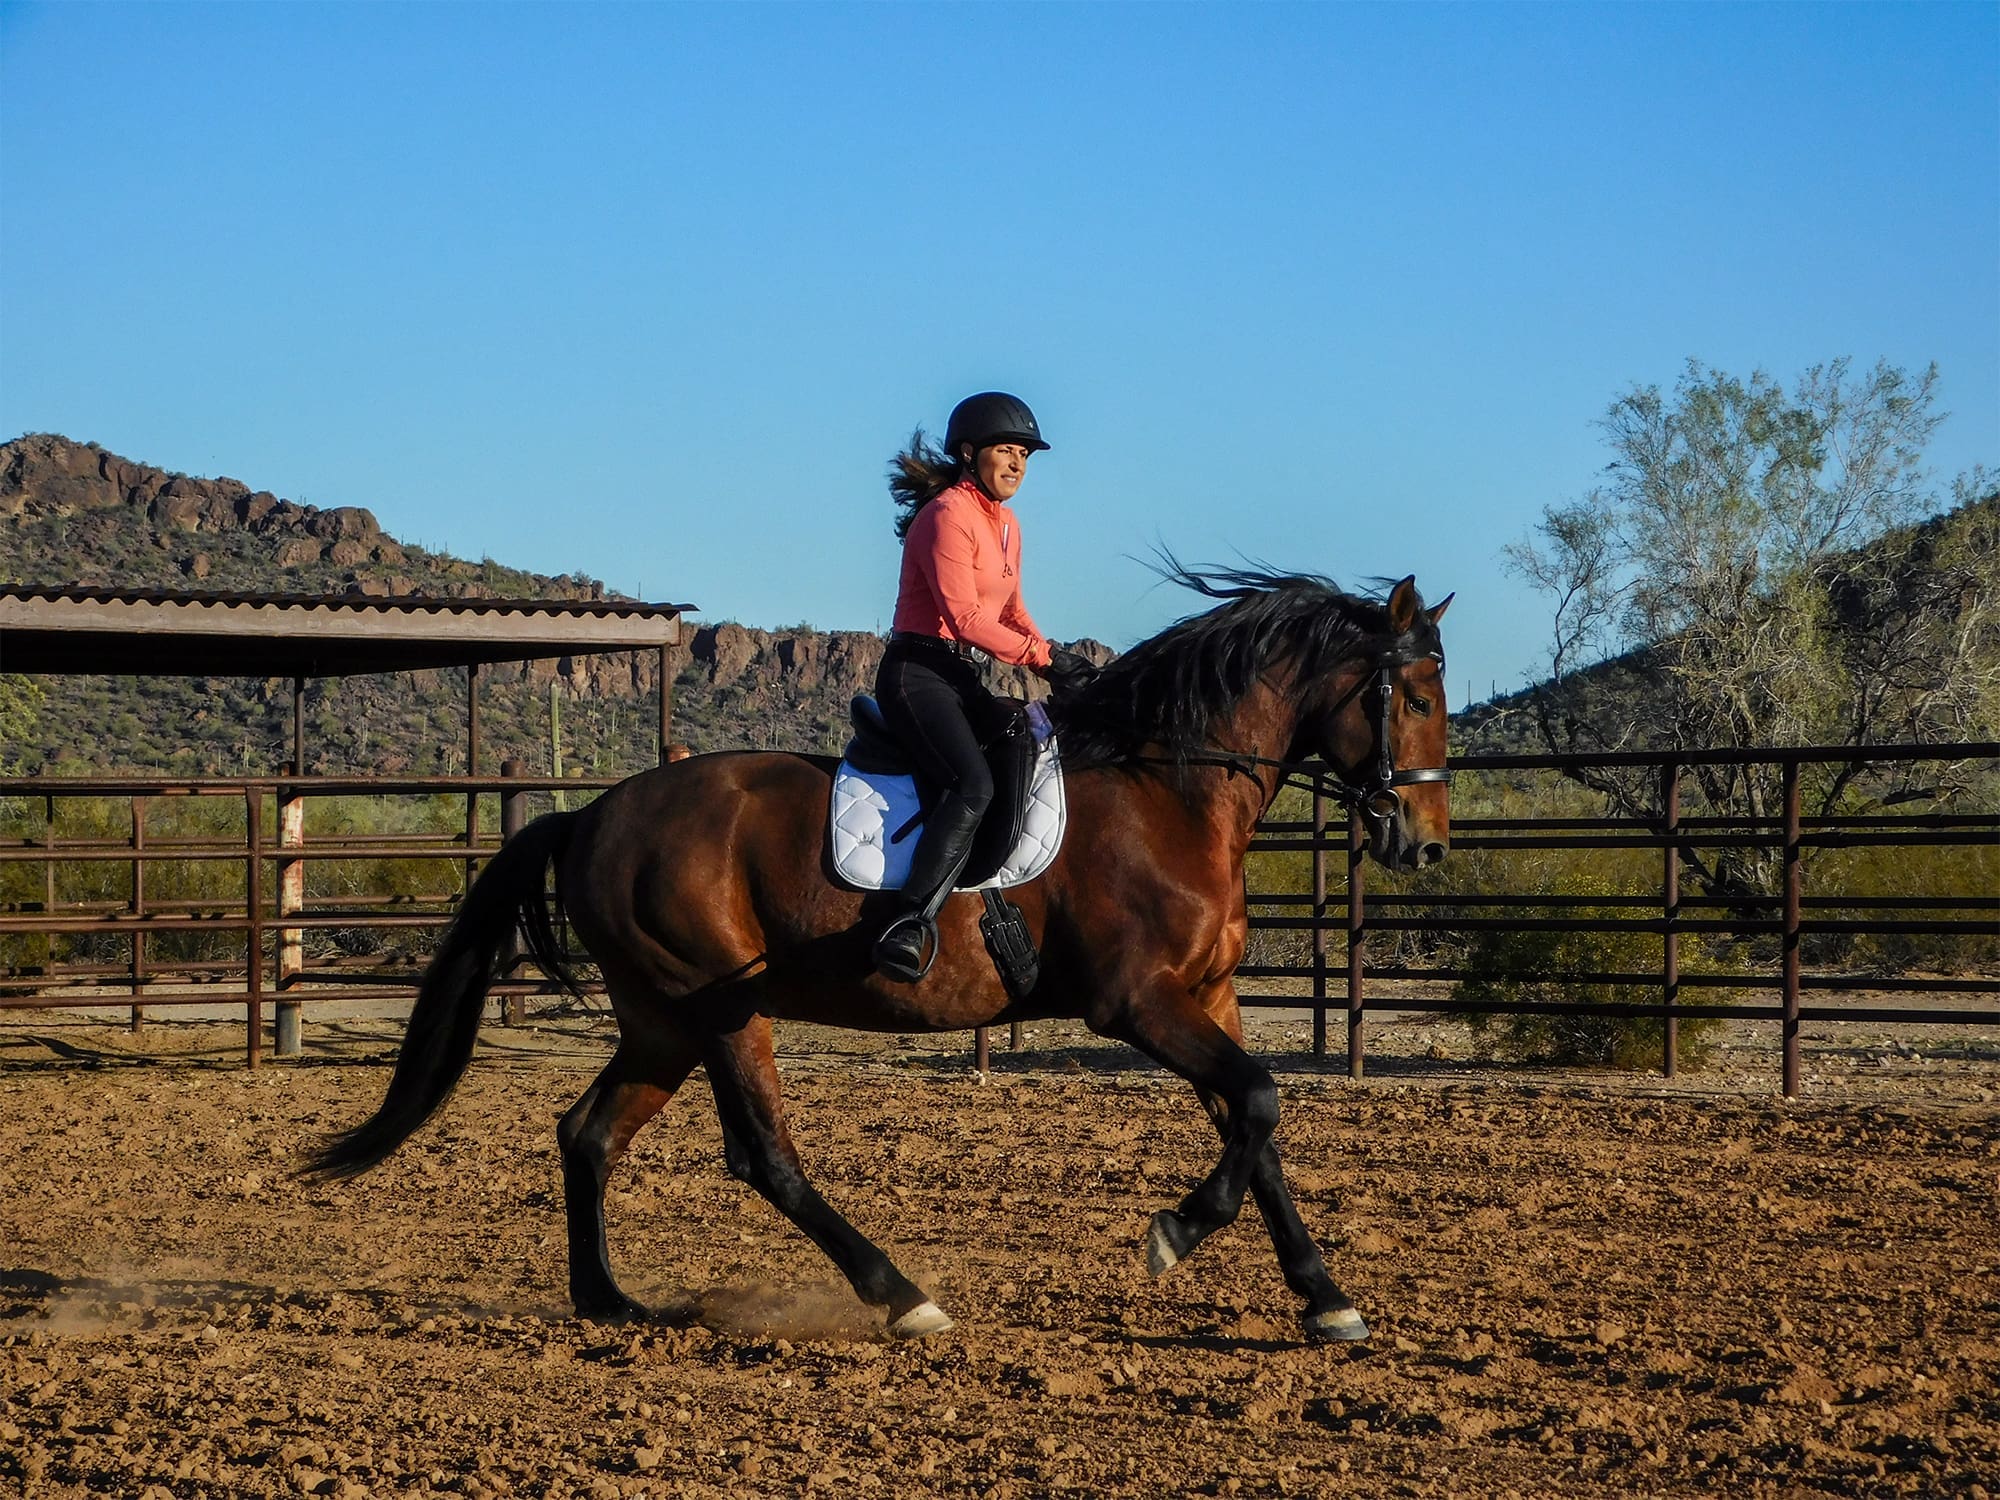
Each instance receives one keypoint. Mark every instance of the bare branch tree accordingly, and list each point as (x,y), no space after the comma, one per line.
(1752,574)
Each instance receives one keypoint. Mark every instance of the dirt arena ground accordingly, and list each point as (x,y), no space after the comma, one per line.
(1579,1284)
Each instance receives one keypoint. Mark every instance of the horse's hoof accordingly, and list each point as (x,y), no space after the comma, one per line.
(920,1321)
(1161,1256)
(1343,1325)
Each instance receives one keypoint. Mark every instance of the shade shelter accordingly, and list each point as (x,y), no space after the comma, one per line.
(159,632)
(162,632)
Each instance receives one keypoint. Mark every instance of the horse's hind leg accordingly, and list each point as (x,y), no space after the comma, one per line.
(759,1150)
(633,1087)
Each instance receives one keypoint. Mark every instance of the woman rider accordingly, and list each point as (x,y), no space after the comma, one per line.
(959,594)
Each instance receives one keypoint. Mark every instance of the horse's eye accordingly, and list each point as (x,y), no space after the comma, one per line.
(1417,705)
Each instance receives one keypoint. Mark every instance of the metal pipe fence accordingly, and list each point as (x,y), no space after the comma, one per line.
(1779,917)
(257,901)
(253,905)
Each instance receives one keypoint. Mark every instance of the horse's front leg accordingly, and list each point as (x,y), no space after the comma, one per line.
(1328,1314)
(1170,1026)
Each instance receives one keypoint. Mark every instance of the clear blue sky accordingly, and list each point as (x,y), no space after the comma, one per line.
(653,291)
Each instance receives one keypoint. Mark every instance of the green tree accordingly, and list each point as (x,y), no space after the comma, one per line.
(1753,559)
(20,710)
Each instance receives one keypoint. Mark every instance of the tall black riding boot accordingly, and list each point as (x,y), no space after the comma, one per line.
(942,850)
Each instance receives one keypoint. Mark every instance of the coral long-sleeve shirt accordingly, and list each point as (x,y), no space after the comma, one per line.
(961,578)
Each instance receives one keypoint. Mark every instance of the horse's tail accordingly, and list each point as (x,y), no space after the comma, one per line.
(437,1046)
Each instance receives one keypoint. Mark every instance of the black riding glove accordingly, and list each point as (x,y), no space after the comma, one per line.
(1067,671)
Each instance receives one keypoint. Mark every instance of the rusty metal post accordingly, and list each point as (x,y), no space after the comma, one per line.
(291,901)
(471,769)
(513,818)
(472,719)
(1670,909)
(1357,936)
(666,700)
(298,726)
(1791,940)
(49,877)
(253,822)
(138,908)
(1319,924)
(514,804)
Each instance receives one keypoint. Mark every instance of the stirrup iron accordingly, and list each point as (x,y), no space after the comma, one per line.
(894,968)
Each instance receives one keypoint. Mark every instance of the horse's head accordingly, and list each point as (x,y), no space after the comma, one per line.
(1380,723)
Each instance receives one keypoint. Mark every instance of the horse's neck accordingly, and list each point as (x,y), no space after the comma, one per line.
(1264,724)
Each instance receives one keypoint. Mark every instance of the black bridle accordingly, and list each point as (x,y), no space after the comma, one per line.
(1380,797)
(1375,798)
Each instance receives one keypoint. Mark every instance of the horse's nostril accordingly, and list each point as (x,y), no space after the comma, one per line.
(1431,853)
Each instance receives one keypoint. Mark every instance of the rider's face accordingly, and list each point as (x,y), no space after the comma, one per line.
(1001,469)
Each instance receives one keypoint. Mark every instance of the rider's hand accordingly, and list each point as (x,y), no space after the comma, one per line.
(1067,670)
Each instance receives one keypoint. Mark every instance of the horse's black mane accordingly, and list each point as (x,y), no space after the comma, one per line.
(1164,696)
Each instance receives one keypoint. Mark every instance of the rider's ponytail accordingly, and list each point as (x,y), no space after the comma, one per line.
(917,476)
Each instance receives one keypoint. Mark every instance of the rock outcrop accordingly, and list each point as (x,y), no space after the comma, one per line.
(74,513)
(45,475)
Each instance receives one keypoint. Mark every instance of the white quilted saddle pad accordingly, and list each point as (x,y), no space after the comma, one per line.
(868,809)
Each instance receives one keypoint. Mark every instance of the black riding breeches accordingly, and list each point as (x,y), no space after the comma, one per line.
(939,709)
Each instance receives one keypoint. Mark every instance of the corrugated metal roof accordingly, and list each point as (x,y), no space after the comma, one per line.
(423,603)
(146,632)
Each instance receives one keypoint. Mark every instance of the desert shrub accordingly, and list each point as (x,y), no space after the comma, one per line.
(1905,870)
(1519,965)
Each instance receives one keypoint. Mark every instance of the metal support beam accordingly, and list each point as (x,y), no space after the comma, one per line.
(253,820)
(1319,924)
(138,909)
(1670,909)
(513,818)
(1793,890)
(1357,937)
(471,769)
(472,719)
(666,701)
(291,940)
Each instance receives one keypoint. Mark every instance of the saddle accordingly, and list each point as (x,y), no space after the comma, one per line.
(877,814)
(878,802)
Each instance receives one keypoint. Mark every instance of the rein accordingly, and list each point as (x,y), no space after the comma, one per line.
(1378,797)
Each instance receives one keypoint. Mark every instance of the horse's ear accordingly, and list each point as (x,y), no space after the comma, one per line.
(1437,610)
(1403,605)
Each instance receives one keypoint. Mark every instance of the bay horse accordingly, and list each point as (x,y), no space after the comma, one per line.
(702,890)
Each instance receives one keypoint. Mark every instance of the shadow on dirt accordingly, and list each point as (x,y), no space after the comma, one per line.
(39,1052)
(1112,1058)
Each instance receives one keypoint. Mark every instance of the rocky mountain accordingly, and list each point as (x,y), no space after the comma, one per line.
(74,513)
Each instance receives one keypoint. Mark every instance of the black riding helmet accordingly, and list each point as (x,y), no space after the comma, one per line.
(992,417)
